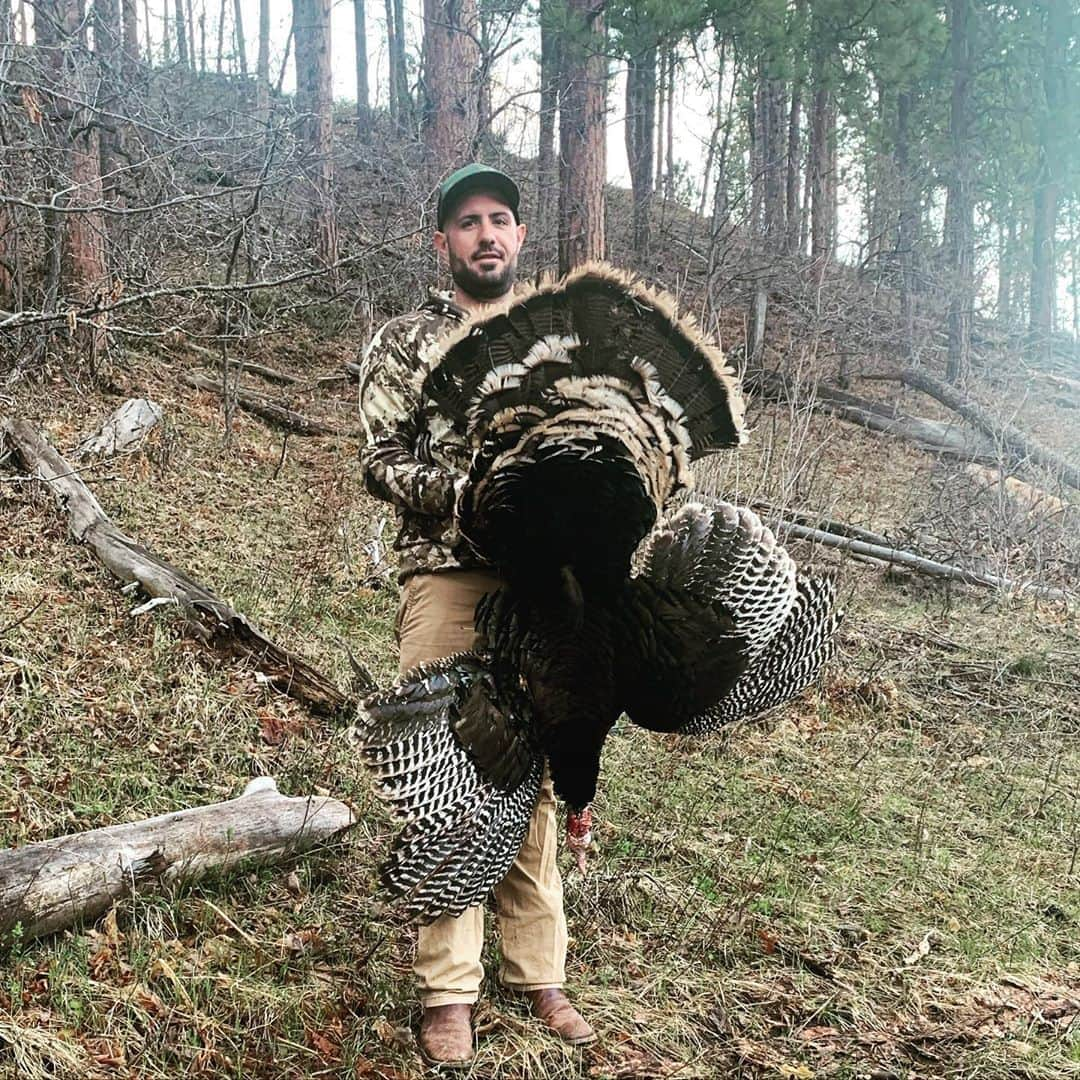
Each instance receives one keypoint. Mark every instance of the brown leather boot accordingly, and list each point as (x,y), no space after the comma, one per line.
(446,1037)
(553,1008)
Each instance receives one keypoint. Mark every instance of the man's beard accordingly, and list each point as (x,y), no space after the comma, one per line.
(485,287)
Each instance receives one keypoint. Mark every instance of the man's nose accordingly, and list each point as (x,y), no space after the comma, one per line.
(487,232)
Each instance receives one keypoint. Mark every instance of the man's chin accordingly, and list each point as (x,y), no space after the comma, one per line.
(486,285)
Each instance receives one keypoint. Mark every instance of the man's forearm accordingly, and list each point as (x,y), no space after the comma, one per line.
(393,474)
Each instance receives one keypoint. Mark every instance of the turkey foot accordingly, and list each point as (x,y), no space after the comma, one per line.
(579,835)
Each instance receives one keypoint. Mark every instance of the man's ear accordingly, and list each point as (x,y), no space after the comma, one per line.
(522,229)
(440,244)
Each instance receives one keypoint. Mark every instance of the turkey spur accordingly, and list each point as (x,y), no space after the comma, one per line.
(584,402)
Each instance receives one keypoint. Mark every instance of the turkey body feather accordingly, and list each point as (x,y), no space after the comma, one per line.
(584,402)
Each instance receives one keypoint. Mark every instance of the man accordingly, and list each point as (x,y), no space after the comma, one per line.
(417,460)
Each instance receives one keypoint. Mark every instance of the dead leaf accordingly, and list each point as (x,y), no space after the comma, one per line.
(921,950)
(795,1072)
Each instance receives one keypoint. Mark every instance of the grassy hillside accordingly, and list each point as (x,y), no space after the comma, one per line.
(881,880)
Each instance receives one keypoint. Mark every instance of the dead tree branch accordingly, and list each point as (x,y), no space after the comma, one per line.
(215,623)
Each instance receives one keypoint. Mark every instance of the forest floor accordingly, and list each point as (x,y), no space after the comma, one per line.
(881,880)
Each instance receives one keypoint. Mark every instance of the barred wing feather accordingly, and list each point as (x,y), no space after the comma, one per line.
(451,753)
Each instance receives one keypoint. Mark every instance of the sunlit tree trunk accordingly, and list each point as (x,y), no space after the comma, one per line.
(582,131)
(451,64)
(314,102)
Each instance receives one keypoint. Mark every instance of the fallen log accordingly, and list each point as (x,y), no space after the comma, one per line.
(270,374)
(1020,446)
(933,436)
(214,622)
(263,407)
(47,886)
(918,563)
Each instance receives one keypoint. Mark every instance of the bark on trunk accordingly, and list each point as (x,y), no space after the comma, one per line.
(212,621)
(262,69)
(793,178)
(547,173)
(823,183)
(238,37)
(314,93)
(959,209)
(59,26)
(48,886)
(363,98)
(582,136)
(640,129)
(451,66)
(1053,126)
(8,234)
(181,34)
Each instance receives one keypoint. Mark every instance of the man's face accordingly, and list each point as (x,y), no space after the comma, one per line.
(481,241)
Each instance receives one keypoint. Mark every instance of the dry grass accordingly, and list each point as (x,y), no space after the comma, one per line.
(882,881)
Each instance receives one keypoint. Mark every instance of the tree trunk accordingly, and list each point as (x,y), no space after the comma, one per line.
(669,131)
(1006,245)
(822,185)
(1054,128)
(59,27)
(640,128)
(714,138)
(314,93)
(793,176)
(401,77)
(48,886)
(907,217)
(363,98)
(8,234)
(221,36)
(451,65)
(130,16)
(582,134)
(238,37)
(262,71)
(547,173)
(661,116)
(959,208)
(181,34)
(773,158)
(191,33)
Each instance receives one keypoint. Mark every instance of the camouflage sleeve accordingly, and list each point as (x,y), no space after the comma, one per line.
(388,410)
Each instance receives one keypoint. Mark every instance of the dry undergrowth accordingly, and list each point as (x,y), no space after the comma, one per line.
(881,881)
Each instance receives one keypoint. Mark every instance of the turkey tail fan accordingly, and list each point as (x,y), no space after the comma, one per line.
(723,559)
(595,322)
(450,750)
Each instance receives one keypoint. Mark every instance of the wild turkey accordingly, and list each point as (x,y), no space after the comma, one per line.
(585,402)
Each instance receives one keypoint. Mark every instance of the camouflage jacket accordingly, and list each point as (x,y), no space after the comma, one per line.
(413,455)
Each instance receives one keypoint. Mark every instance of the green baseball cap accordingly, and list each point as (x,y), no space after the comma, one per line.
(472,178)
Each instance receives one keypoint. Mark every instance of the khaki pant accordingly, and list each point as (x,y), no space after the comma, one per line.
(436,619)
